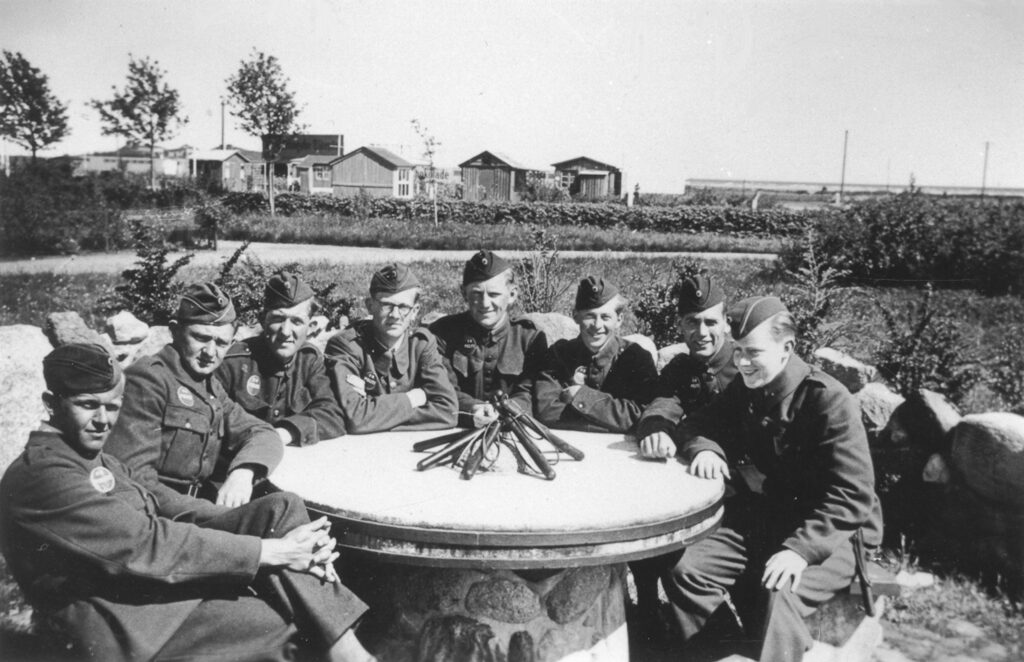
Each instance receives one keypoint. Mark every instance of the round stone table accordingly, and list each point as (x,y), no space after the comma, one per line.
(505,565)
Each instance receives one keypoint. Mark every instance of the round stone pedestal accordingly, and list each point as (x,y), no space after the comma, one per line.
(477,615)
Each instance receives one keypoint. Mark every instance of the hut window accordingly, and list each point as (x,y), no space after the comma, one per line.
(321,173)
(403,175)
(403,189)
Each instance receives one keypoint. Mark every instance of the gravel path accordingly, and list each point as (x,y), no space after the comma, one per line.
(282,253)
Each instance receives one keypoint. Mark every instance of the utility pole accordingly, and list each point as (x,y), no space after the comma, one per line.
(842,177)
(984,171)
(222,123)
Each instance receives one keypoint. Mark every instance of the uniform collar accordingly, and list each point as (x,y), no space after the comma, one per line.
(785,383)
(176,365)
(488,336)
(268,362)
(603,356)
(722,358)
(377,349)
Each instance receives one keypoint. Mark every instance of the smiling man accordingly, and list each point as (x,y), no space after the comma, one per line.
(128,573)
(385,374)
(596,381)
(279,377)
(179,426)
(792,436)
(484,349)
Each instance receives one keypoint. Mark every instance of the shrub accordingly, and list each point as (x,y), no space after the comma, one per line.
(542,277)
(925,349)
(209,218)
(655,304)
(816,286)
(1007,373)
(150,290)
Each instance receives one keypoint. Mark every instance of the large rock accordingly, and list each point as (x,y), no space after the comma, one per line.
(555,326)
(68,327)
(924,421)
(669,352)
(126,329)
(988,454)
(22,348)
(158,338)
(877,404)
(853,374)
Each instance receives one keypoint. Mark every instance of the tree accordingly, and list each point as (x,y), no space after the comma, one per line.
(30,115)
(146,111)
(430,144)
(259,97)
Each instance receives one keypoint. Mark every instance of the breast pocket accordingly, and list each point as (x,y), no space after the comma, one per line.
(185,432)
(300,401)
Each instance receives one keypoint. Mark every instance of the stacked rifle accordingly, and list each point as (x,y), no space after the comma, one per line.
(514,429)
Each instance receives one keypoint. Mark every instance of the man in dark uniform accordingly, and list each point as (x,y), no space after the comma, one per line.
(384,375)
(808,492)
(689,381)
(279,377)
(127,573)
(686,384)
(178,425)
(484,350)
(597,381)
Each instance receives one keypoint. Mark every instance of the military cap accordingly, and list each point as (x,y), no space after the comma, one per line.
(80,368)
(284,290)
(594,293)
(392,278)
(749,313)
(205,303)
(485,265)
(698,293)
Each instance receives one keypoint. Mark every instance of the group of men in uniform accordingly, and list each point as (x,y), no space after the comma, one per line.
(172,545)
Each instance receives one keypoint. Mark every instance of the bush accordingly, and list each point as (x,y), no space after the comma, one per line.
(150,291)
(816,293)
(542,277)
(914,237)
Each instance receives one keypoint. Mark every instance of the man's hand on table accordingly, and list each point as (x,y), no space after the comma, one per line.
(308,548)
(285,435)
(781,568)
(710,465)
(658,445)
(484,413)
(237,489)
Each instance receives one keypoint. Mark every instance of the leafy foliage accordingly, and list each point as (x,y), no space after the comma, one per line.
(543,277)
(149,290)
(146,111)
(30,115)
(259,97)
(656,303)
(817,289)
(244,278)
(925,349)
(1007,374)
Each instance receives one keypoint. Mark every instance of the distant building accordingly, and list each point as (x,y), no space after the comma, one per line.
(588,178)
(790,191)
(230,169)
(375,170)
(311,174)
(492,176)
(134,159)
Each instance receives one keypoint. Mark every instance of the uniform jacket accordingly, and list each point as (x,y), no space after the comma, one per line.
(88,544)
(370,381)
(618,381)
(297,397)
(804,433)
(686,384)
(482,362)
(185,431)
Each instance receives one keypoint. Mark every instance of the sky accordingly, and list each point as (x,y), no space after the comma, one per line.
(665,90)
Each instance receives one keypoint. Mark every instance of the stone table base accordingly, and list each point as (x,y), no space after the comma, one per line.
(439,614)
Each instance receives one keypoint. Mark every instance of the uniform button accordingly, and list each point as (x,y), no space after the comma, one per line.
(579,405)
(188,424)
(277,412)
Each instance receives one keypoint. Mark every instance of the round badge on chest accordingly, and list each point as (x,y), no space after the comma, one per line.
(252,385)
(102,480)
(185,396)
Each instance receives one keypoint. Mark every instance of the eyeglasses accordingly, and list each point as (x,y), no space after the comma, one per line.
(388,308)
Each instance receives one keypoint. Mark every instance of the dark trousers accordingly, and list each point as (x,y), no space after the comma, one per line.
(261,623)
(732,560)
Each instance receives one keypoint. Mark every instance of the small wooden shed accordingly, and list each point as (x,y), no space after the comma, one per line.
(588,177)
(311,174)
(227,167)
(492,176)
(379,172)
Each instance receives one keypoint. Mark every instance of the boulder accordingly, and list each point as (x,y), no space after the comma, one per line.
(555,326)
(853,374)
(666,354)
(646,343)
(68,327)
(322,339)
(22,348)
(318,324)
(126,329)
(158,338)
(877,404)
(924,420)
(431,317)
(244,332)
(988,454)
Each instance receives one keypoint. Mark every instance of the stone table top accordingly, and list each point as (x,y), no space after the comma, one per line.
(610,506)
